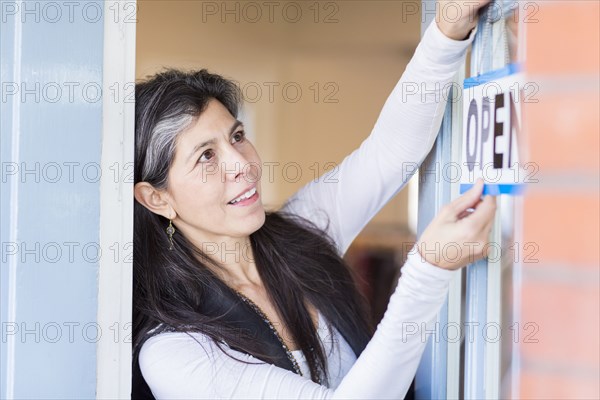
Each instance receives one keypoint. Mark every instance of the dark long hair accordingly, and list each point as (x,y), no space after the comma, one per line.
(297,261)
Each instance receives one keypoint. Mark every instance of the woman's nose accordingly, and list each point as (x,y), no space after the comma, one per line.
(236,167)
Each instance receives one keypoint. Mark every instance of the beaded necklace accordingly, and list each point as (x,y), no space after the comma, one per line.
(268,321)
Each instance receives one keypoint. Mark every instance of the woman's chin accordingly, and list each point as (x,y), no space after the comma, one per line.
(245,225)
(258,220)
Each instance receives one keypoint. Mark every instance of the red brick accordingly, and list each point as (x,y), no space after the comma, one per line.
(561,228)
(563,130)
(567,319)
(562,36)
(557,386)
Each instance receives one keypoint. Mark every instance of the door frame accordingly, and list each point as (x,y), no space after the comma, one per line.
(116,202)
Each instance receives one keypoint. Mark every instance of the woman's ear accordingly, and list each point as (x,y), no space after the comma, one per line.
(153,199)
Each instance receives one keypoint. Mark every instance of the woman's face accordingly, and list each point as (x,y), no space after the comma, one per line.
(215,164)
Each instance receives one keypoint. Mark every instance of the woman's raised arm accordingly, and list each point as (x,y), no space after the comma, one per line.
(349,196)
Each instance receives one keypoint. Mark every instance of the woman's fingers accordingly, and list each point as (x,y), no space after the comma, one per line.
(462,224)
(469,199)
(483,216)
(457,18)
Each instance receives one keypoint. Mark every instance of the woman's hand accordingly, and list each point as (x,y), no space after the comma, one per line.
(456,236)
(456,19)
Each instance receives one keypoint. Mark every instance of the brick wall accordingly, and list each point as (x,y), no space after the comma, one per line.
(561,276)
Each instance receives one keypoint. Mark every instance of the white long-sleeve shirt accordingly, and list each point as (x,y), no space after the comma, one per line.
(180,365)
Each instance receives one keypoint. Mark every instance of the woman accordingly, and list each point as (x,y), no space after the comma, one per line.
(231,301)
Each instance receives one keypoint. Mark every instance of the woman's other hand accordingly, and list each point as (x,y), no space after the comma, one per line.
(459,234)
(456,19)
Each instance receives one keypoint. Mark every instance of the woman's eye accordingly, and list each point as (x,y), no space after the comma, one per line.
(239,136)
(206,156)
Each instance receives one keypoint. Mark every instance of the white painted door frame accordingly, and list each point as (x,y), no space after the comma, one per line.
(116,202)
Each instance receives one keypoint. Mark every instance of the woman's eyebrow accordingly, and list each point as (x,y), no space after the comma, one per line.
(199,146)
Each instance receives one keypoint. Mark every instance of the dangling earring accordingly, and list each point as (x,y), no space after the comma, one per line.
(170,232)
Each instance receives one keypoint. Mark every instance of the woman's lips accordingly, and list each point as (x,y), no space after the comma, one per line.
(246,202)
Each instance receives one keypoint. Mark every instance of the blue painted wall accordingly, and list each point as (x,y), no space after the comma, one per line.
(56,102)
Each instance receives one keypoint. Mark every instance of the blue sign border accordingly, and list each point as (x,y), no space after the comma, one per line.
(496,189)
(507,70)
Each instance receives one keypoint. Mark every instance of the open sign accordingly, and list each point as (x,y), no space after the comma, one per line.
(492,105)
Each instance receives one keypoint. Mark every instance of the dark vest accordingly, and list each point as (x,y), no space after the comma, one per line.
(241,316)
